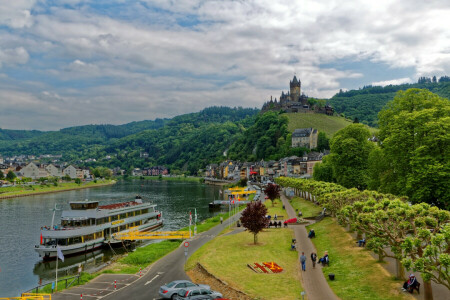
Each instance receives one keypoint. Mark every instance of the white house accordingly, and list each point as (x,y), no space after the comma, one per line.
(30,171)
(53,171)
(71,171)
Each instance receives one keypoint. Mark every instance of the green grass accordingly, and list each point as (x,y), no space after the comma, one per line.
(62,186)
(84,278)
(328,124)
(307,208)
(226,257)
(358,274)
(276,209)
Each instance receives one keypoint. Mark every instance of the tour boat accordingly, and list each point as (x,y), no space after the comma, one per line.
(88,226)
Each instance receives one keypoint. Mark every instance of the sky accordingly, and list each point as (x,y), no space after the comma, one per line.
(75,62)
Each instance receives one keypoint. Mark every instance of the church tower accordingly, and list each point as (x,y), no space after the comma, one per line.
(295,89)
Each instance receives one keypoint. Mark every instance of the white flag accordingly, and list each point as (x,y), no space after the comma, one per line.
(59,253)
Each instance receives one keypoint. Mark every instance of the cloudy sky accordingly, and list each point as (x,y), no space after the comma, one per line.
(76,62)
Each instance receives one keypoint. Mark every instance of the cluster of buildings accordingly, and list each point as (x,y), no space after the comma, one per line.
(293,166)
(39,170)
(152,171)
(295,101)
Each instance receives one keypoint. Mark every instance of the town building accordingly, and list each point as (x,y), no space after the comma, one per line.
(305,137)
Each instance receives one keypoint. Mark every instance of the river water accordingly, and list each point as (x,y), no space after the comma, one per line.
(21,220)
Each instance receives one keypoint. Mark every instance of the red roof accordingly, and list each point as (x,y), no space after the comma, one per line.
(119,205)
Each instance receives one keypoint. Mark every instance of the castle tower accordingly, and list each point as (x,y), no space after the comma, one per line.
(295,89)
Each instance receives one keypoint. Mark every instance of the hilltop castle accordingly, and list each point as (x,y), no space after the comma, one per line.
(295,101)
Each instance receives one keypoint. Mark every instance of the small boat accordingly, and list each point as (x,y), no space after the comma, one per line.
(88,226)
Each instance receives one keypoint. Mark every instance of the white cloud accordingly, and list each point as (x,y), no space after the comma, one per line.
(138,63)
(393,81)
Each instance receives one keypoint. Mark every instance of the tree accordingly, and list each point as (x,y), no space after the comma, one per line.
(415,140)
(10,176)
(350,150)
(323,143)
(77,180)
(323,171)
(2,176)
(254,218)
(272,191)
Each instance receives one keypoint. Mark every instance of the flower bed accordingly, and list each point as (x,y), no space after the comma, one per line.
(266,267)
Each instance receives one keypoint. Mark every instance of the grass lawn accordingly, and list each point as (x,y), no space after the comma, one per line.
(276,209)
(358,275)
(227,257)
(307,208)
(328,124)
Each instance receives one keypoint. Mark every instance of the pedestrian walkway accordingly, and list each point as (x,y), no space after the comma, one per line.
(313,280)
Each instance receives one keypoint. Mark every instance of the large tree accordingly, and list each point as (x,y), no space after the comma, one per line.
(350,150)
(10,176)
(415,139)
(272,192)
(254,218)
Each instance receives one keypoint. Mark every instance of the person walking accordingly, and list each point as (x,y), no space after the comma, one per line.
(221,220)
(303,261)
(313,259)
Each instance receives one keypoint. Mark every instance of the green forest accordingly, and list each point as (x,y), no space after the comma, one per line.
(365,103)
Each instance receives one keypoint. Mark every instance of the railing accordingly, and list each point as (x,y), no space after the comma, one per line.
(36,289)
(153,235)
(30,296)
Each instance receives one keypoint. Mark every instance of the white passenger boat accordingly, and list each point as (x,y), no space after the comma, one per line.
(88,226)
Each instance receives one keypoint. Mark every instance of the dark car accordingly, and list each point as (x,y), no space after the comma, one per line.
(197,293)
(170,290)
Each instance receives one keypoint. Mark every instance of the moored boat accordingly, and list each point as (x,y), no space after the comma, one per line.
(88,226)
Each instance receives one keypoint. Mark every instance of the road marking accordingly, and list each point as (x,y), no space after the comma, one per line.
(152,279)
(159,273)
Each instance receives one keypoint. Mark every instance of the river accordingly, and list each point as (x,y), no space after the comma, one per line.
(21,220)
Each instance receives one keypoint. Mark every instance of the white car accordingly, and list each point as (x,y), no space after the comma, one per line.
(170,290)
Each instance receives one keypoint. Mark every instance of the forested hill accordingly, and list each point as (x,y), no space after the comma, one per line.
(366,102)
(185,142)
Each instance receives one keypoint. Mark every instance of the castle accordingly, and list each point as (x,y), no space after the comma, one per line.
(295,101)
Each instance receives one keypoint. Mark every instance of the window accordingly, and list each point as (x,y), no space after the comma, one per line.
(114,218)
(180,285)
(188,284)
(123,216)
(195,293)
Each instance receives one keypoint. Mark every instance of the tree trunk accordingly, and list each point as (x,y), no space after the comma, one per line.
(255,239)
(428,290)
(359,235)
(380,256)
(399,270)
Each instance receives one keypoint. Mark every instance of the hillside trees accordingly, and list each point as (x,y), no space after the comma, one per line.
(350,150)
(415,142)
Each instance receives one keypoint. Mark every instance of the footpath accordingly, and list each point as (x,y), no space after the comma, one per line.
(313,280)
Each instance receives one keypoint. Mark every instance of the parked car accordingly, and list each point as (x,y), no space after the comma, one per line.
(196,293)
(170,290)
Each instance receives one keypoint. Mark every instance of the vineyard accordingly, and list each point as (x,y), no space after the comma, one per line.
(417,236)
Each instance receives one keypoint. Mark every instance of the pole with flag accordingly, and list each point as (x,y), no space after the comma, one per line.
(195,222)
(59,256)
(190,223)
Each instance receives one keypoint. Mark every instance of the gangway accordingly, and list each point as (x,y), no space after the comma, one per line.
(151,235)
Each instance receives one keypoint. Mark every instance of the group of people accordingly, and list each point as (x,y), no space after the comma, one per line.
(323,260)
(276,224)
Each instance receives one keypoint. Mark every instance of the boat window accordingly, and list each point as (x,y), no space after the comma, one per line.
(114,218)
(130,214)
(114,230)
(77,240)
(123,227)
(145,211)
(99,221)
(88,237)
(137,212)
(62,242)
(123,216)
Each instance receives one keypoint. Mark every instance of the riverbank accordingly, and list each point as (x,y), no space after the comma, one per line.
(23,191)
